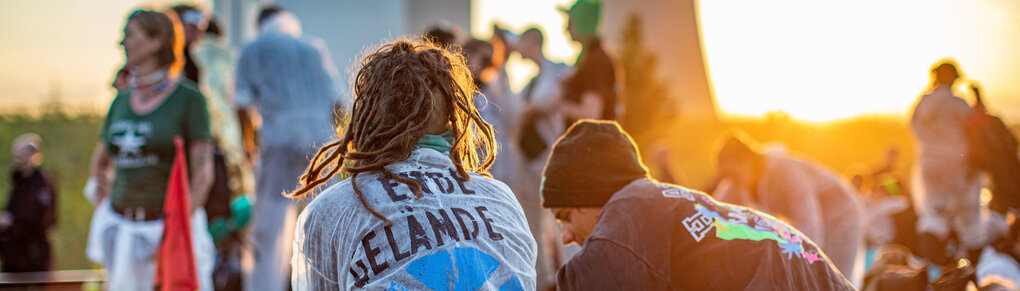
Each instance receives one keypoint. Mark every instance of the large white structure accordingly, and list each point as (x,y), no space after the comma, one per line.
(348,27)
(671,31)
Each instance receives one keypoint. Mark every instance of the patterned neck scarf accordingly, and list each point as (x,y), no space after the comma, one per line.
(152,84)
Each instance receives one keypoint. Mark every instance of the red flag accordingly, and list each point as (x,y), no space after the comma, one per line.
(175,261)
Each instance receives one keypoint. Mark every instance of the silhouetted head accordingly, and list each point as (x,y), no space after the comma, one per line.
(213,28)
(857,180)
(502,45)
(945,72)
(740,159)
(266,13)
(583,20)
(192,20)
(404,90)
(441,34)
(26,153)
(530,44)
(890,158)
(479,58)
(154,36)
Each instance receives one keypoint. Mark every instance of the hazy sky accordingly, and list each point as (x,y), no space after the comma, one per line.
(68,44)
(817,60)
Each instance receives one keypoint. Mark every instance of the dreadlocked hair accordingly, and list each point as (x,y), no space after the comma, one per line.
(399,90)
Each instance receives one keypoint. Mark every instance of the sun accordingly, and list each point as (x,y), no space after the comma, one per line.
(823,61)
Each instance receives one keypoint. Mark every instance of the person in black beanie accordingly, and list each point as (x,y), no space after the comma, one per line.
(639,234)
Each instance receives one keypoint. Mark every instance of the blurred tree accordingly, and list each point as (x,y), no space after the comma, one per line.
(646,99)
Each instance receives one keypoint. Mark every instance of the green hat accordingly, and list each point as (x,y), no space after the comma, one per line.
(585,15)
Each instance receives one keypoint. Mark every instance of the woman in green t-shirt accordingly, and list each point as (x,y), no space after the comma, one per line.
(137,146)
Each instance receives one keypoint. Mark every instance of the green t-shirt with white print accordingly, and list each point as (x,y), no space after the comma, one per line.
(142,145)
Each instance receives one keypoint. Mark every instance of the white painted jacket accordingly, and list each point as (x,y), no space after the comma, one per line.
(459,235)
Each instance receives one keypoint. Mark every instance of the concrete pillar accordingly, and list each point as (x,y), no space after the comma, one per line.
(671,30)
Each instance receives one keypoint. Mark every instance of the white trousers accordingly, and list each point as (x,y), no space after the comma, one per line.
(273,218)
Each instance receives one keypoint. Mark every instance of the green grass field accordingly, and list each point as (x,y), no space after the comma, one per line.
(859,142)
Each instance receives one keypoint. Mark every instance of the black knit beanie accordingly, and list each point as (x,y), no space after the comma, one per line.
(588,164)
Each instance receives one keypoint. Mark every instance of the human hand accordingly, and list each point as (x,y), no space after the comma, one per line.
(100,187)
(6,219)
(562,106)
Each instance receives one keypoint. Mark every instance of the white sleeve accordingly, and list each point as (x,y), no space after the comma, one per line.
(301,270)
(307,274)
(548,88)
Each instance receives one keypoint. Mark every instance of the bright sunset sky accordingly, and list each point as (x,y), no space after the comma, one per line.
(817,60)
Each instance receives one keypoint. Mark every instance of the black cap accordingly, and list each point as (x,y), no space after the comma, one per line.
(588,164)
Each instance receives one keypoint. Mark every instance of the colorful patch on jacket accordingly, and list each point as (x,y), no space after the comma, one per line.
(736,227)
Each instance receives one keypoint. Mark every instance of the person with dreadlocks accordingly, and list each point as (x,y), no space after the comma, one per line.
(418,210)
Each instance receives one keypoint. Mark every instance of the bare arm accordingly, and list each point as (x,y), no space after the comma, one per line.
(201,161)
(729,192)
(248,132)
(978,102)
(590,107)
(100,169)
(246,91)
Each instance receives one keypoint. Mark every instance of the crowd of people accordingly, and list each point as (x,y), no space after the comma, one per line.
(436,175)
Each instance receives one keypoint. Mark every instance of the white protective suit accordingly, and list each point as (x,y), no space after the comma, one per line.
(460,235)
(946,189)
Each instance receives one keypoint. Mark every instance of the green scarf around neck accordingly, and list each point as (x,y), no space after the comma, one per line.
(442,142)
